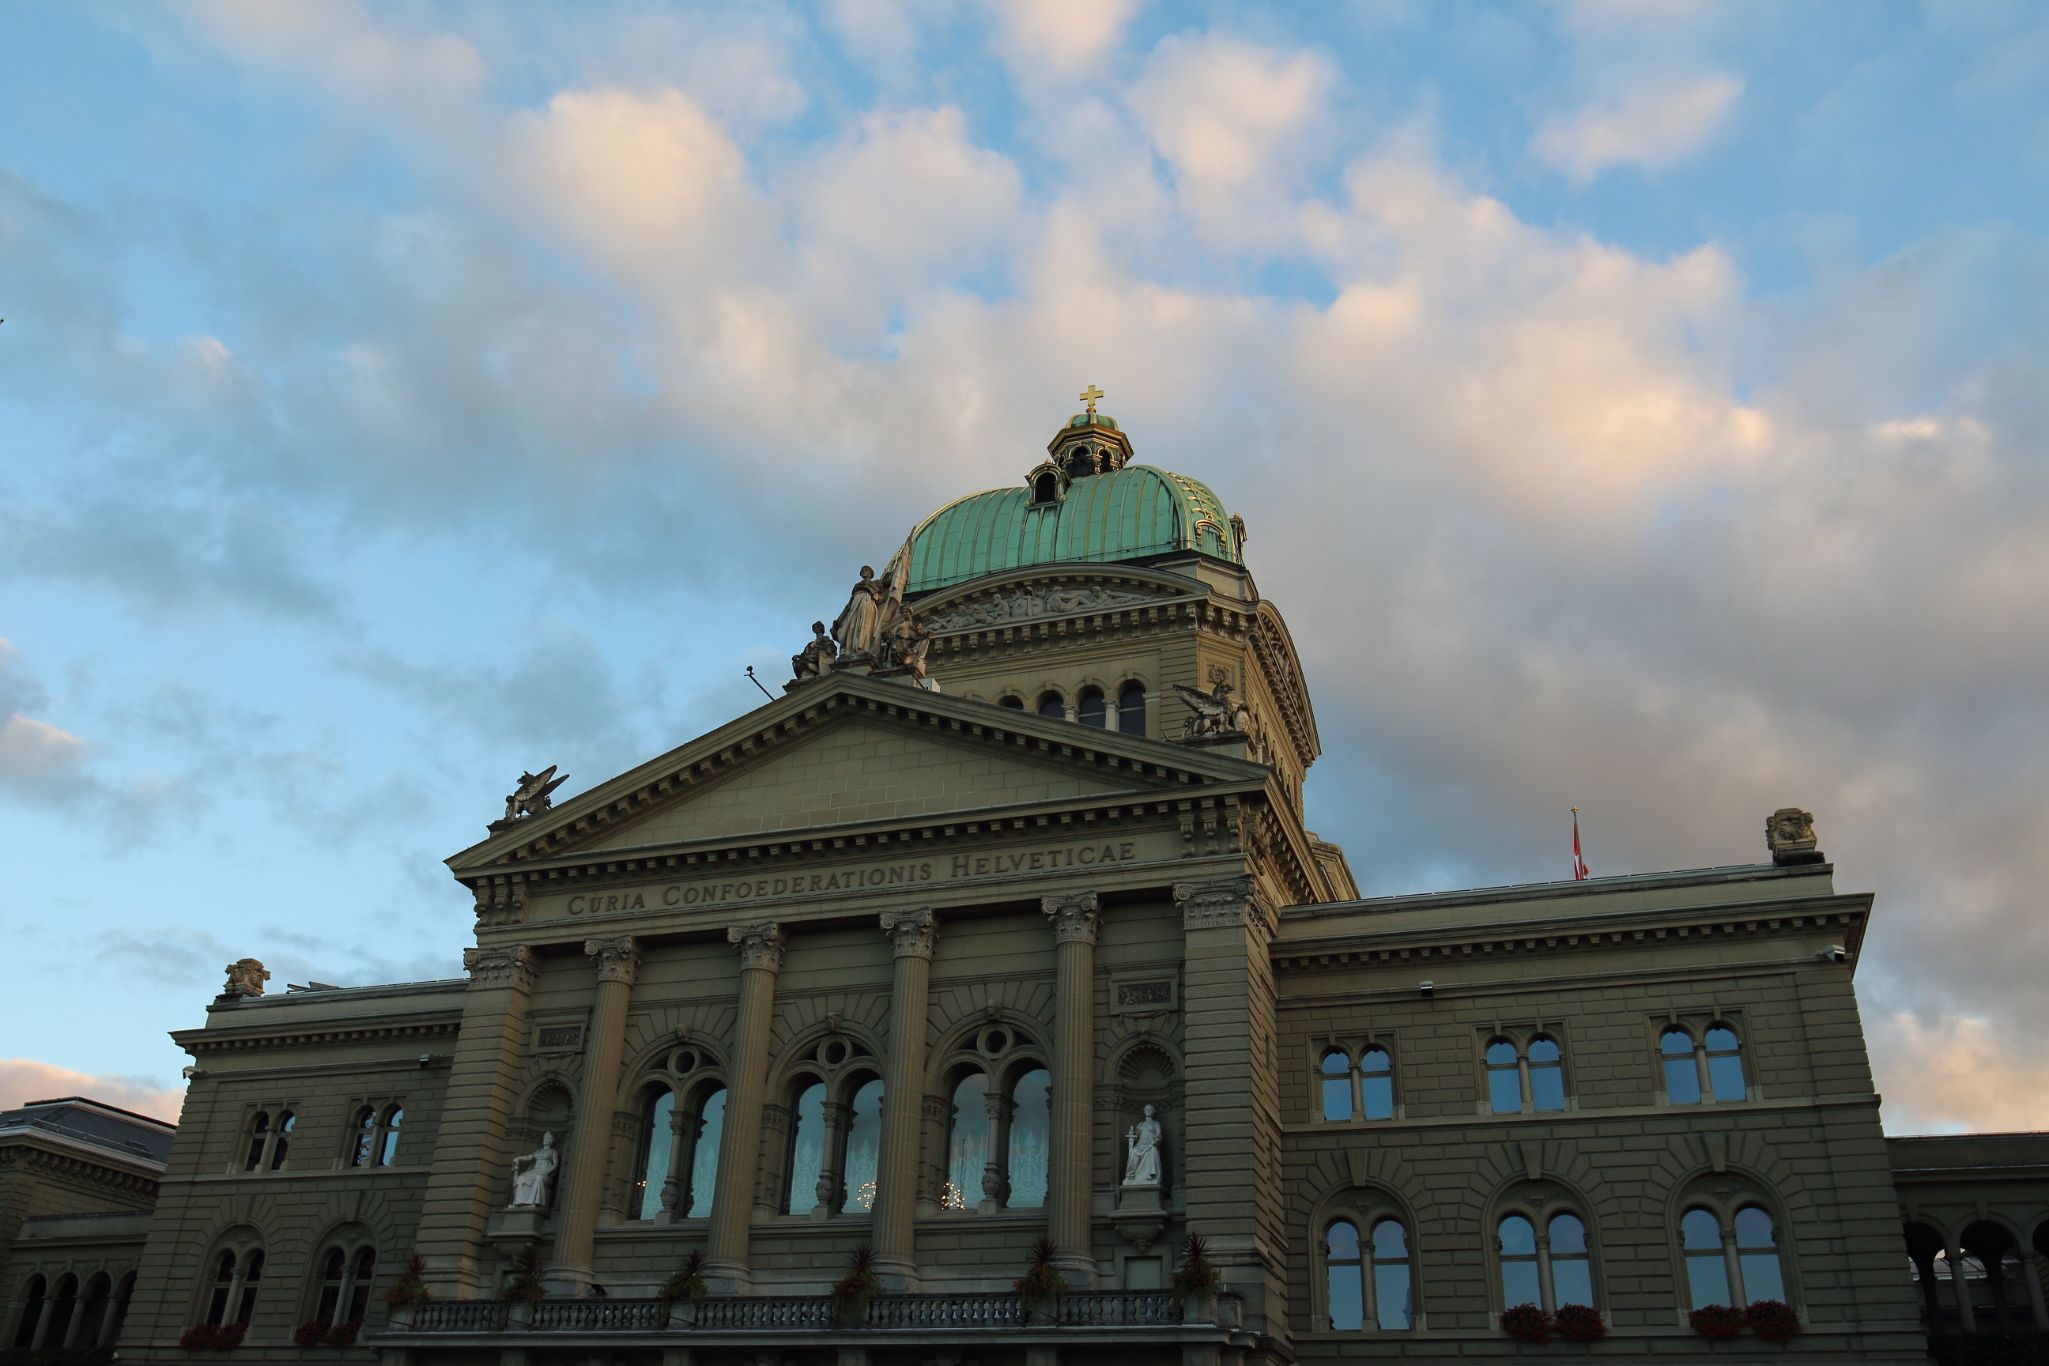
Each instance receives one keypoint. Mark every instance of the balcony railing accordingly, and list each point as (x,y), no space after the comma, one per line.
(1092,1309)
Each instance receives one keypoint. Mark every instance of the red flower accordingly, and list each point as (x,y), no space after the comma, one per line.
(1579,1323)
(1526,1323)
(1717,1322)
(1773,1320)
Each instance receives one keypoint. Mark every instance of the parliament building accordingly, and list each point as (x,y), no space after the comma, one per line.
(984,998)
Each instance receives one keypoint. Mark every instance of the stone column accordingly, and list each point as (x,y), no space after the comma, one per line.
(732,1209)
(1070,1179)
(620,1200)
(581,1186)
(684,1131)
(2031,1273)
(1230,1168)
(912,935)
(932,1155)
(474,1151)
(996,1171)
(831,1160)
(1960,1286)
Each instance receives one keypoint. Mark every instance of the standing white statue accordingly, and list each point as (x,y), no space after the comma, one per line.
(1142,1152)
(531,1173)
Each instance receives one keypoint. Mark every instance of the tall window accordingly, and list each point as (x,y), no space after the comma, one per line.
(807,1149)
(1731,1259)
(270,1139)
(1357,1086)
(363,1147)
(237,1275)
(863,1148)
(1089,708)
(394,1116)
(1131,708)
(682,1118)
(835,1131)
(967,1142)
(657,1137)
(346,1270)
(1702,1063)
(33,1302)
(1524,1075)
(374,1139)
(1547,1263)
(1369,1281)
(704,1161)
(259,1141)
(999,1123)
(1031,1137)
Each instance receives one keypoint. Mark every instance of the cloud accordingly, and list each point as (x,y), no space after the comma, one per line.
(1652,125)
(1063,36)
(38,761)
(23,1080)
(1948,1074)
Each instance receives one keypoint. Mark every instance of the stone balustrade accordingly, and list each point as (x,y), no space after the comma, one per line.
(997,1311)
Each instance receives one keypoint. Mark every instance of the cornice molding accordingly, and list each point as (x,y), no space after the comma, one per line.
(197,1041)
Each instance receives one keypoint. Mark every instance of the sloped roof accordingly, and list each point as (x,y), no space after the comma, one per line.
(90,1122)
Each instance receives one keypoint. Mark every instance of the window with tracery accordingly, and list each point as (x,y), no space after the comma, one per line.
(373,1139)
(1524,1072)
(998,1124)
(1702,1062)
(683,1114)
(1544,1257)
(1730,1247)
(237,1276)
(1356,1081)
(1369,1282)
(833,1130)
(270,1139)
(346,1266)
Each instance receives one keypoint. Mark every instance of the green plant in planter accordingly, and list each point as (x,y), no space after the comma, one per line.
(686,1282)
(1195,1278)
(1579,1323)
(1773,1320)
(1527,1323)
(525,1286)
(409,1291)
(855,1291)
(1717,1322)
(1042,1282)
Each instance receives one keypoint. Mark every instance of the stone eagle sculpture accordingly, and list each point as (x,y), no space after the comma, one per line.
(530,796)
(1216,713)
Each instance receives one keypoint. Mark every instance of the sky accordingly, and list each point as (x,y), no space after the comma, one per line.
(1635,406)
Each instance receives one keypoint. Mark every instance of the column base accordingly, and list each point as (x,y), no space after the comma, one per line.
(899,1275)
(1079,1272)
(727,1278)
(572,1281)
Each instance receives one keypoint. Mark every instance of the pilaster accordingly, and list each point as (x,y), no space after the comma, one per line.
(476,1120)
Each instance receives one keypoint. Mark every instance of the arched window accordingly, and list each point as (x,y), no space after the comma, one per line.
(1369,1279)
(281,1141)
(967,1142)
(1529,1077)
(1376,1083)
(252,1273)
(1682,1076)
(237,1275)
(1731,1259)
(334,1272)
(63,1308)
(1012,701)
(387,1154)
(1548,1264)
(807,1149)
(1344,1277)
(1724,1053)
(1336,1072)
(33,1301)
(1052,704)
(1504,1081)
(657,1139)
(704,1160)
(259,1139)
(94,1311)
(1089,709)
(863,1148)
(1031,1138)
(222,1297)
(1046,488)
(346,1268)
(1131,709)
(364,1146)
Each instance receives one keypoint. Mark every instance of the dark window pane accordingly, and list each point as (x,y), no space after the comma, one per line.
(656,1139)
(1347,1298)
(1547,1088)
(1014,703)
(1700,1231)
(1054,705)
(1519,1284)
(1761,1276)
(1391,1304)
(1707,1279)
(1337,1097)
(1754,1228)
(1725,1074)
(704,1163)
(967,1146)
(1031,1138)
(807,1149)
(1504,1091)
(1682,1081)
(1572,1280)
(1568,1234)
(1378,1093)
(1390,1240)
(1518,1237)
(1090,711)
(864,1146)
(1131,709)
(1341,1242)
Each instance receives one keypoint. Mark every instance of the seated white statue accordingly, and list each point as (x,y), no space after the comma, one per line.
(1142,1152)
(531,1173)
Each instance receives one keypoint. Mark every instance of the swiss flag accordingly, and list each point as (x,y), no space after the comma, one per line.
(1580,872)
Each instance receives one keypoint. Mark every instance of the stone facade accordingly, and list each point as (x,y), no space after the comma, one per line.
(892,966)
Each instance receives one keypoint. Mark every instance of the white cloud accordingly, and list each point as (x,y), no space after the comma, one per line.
(1061,36)
(1238,123)
(1652,125)
(23,1080)
(1956,1072)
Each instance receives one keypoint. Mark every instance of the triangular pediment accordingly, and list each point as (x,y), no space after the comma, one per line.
(852,752)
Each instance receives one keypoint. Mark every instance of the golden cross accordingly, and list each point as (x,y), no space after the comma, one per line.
(1090,395)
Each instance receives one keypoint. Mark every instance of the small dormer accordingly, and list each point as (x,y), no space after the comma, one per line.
(1090,443)
(1048,483)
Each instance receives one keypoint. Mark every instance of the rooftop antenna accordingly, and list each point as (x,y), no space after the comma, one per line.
(757,683)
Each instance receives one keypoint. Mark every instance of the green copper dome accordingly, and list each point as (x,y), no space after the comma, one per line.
(1131,513)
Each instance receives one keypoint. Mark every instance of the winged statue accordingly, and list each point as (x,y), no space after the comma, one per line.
(1216,712)
(531,795)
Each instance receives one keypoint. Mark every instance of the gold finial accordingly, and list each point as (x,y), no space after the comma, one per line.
(1089,396)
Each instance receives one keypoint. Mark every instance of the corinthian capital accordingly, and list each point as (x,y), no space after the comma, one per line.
(761,946)
(1224,901)
(1074,918)
(515,967)
(911,933)
(618,960)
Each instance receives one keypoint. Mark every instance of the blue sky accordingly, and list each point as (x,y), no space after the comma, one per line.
(1634,406)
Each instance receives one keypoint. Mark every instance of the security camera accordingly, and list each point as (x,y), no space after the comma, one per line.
(426,1060)
(1426,989)
(1835,953)
(188,1072)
